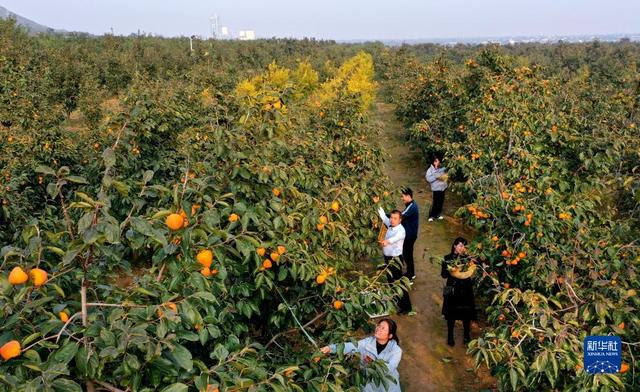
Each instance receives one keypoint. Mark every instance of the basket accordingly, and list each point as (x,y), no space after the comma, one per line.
(465,274)
(382,232)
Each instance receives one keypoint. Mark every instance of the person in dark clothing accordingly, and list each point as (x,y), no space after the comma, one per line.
(459,302)
(437,177)
(410,221)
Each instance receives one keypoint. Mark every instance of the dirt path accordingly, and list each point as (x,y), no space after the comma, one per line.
(428,364)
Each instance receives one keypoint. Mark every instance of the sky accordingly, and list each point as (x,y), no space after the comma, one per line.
(339,19)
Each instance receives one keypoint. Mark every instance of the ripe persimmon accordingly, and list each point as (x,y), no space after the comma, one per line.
(174,221)
(205,258)
(624,368)
(38,276)
(18,276)
(10,350)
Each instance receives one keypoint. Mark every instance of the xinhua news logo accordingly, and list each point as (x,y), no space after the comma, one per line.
(602,354)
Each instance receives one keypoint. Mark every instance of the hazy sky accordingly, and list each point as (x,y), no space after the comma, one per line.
(339,19)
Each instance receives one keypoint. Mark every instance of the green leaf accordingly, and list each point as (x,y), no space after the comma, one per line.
(203,336)
(76,179)
(112,233)
(86,198)
(56,369)
(108,337)
(147,176)
(205,295)
(52,189)
(221,352)
(71,255)
(91,235)
(55,250)
(161,331)
(132,361)
(109,352)
(33,367)
(144,291)
(182,356)
(63,171)
(160,214)
(85,222)
(177,387)
(143,227)
(121,187)
(45,170)
(33,356)
(109,157)
(65,385)
(30,338)
(66,353)
(82,360)
(245,247)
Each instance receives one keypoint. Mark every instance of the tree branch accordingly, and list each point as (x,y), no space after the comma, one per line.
(276,336)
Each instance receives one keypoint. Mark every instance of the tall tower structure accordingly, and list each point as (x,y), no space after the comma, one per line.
(215,26)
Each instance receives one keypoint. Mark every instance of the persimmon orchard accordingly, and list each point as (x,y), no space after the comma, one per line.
(201,219)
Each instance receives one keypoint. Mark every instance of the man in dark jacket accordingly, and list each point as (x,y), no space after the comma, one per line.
(410,219)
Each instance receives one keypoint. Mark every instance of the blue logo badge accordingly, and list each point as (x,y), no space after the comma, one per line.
(602,354)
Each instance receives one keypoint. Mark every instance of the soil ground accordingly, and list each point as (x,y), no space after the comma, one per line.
(428,363)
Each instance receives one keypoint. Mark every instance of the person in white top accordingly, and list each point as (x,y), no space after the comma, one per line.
(394,239)
(437,177)
(392,247)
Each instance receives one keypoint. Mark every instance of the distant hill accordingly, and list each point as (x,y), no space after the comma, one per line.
(31,26)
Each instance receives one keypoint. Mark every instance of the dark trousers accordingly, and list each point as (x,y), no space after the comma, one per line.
(438,202)
(466,325)
(407,254)
(404,302)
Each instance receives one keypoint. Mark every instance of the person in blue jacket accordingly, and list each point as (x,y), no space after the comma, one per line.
(410,221)
(384,345)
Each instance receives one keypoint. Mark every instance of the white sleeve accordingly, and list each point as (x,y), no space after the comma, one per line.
(431,175)
(349,348)
(395,359)
(384,217)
